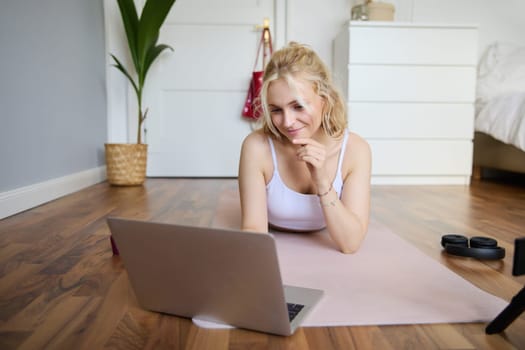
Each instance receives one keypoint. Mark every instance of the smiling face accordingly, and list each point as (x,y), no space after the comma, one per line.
(295,109)
(298,97)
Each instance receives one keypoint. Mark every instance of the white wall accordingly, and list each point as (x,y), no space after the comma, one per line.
(318,22)
(498,20)
(52,100)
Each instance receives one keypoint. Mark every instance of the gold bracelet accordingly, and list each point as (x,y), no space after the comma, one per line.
(324,194)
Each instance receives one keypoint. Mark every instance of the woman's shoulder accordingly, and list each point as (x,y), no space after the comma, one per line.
(256,136)
(256,143)
(256,152)
(357,143)
(357,152)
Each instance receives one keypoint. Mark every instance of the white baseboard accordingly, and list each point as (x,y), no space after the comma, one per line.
(20,199)
(420,180)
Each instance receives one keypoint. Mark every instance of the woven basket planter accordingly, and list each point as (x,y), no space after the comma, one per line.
(126,163)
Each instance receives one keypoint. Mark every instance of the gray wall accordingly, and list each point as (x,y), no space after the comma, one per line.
(52,89)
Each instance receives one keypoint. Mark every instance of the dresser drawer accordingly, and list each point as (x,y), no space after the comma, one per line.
(410,90)
(412,120)
(411,83)
(406,44)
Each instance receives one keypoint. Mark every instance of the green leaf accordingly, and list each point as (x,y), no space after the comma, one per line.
(142,34)
(153,53)
(153,15)
(131,25)
(120,67)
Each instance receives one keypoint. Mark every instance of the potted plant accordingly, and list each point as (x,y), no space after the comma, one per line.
(126,163)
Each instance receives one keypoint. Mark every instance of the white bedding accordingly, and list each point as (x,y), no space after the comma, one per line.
(500,96)
(503,118)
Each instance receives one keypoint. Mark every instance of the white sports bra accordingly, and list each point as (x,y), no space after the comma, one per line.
(292,210)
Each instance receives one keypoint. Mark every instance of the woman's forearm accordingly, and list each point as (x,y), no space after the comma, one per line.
(345,228)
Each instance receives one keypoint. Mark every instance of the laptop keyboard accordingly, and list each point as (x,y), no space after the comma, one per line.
(293,310)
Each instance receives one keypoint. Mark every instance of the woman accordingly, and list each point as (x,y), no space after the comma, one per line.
(303,171)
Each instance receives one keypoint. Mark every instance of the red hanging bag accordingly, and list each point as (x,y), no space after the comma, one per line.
(252,108)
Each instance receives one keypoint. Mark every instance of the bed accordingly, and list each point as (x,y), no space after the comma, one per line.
(499,139)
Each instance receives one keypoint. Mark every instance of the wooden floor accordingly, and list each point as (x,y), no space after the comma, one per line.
(61,288)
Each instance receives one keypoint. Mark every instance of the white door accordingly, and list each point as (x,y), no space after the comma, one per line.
(196,93)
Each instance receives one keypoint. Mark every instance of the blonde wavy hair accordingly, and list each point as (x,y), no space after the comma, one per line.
(298,60)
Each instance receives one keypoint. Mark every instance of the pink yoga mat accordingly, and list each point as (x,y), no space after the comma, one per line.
(388,281)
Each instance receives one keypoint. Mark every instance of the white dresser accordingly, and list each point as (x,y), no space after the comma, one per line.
(410,89)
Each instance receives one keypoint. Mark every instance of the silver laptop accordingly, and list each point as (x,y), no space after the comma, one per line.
(217,275)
